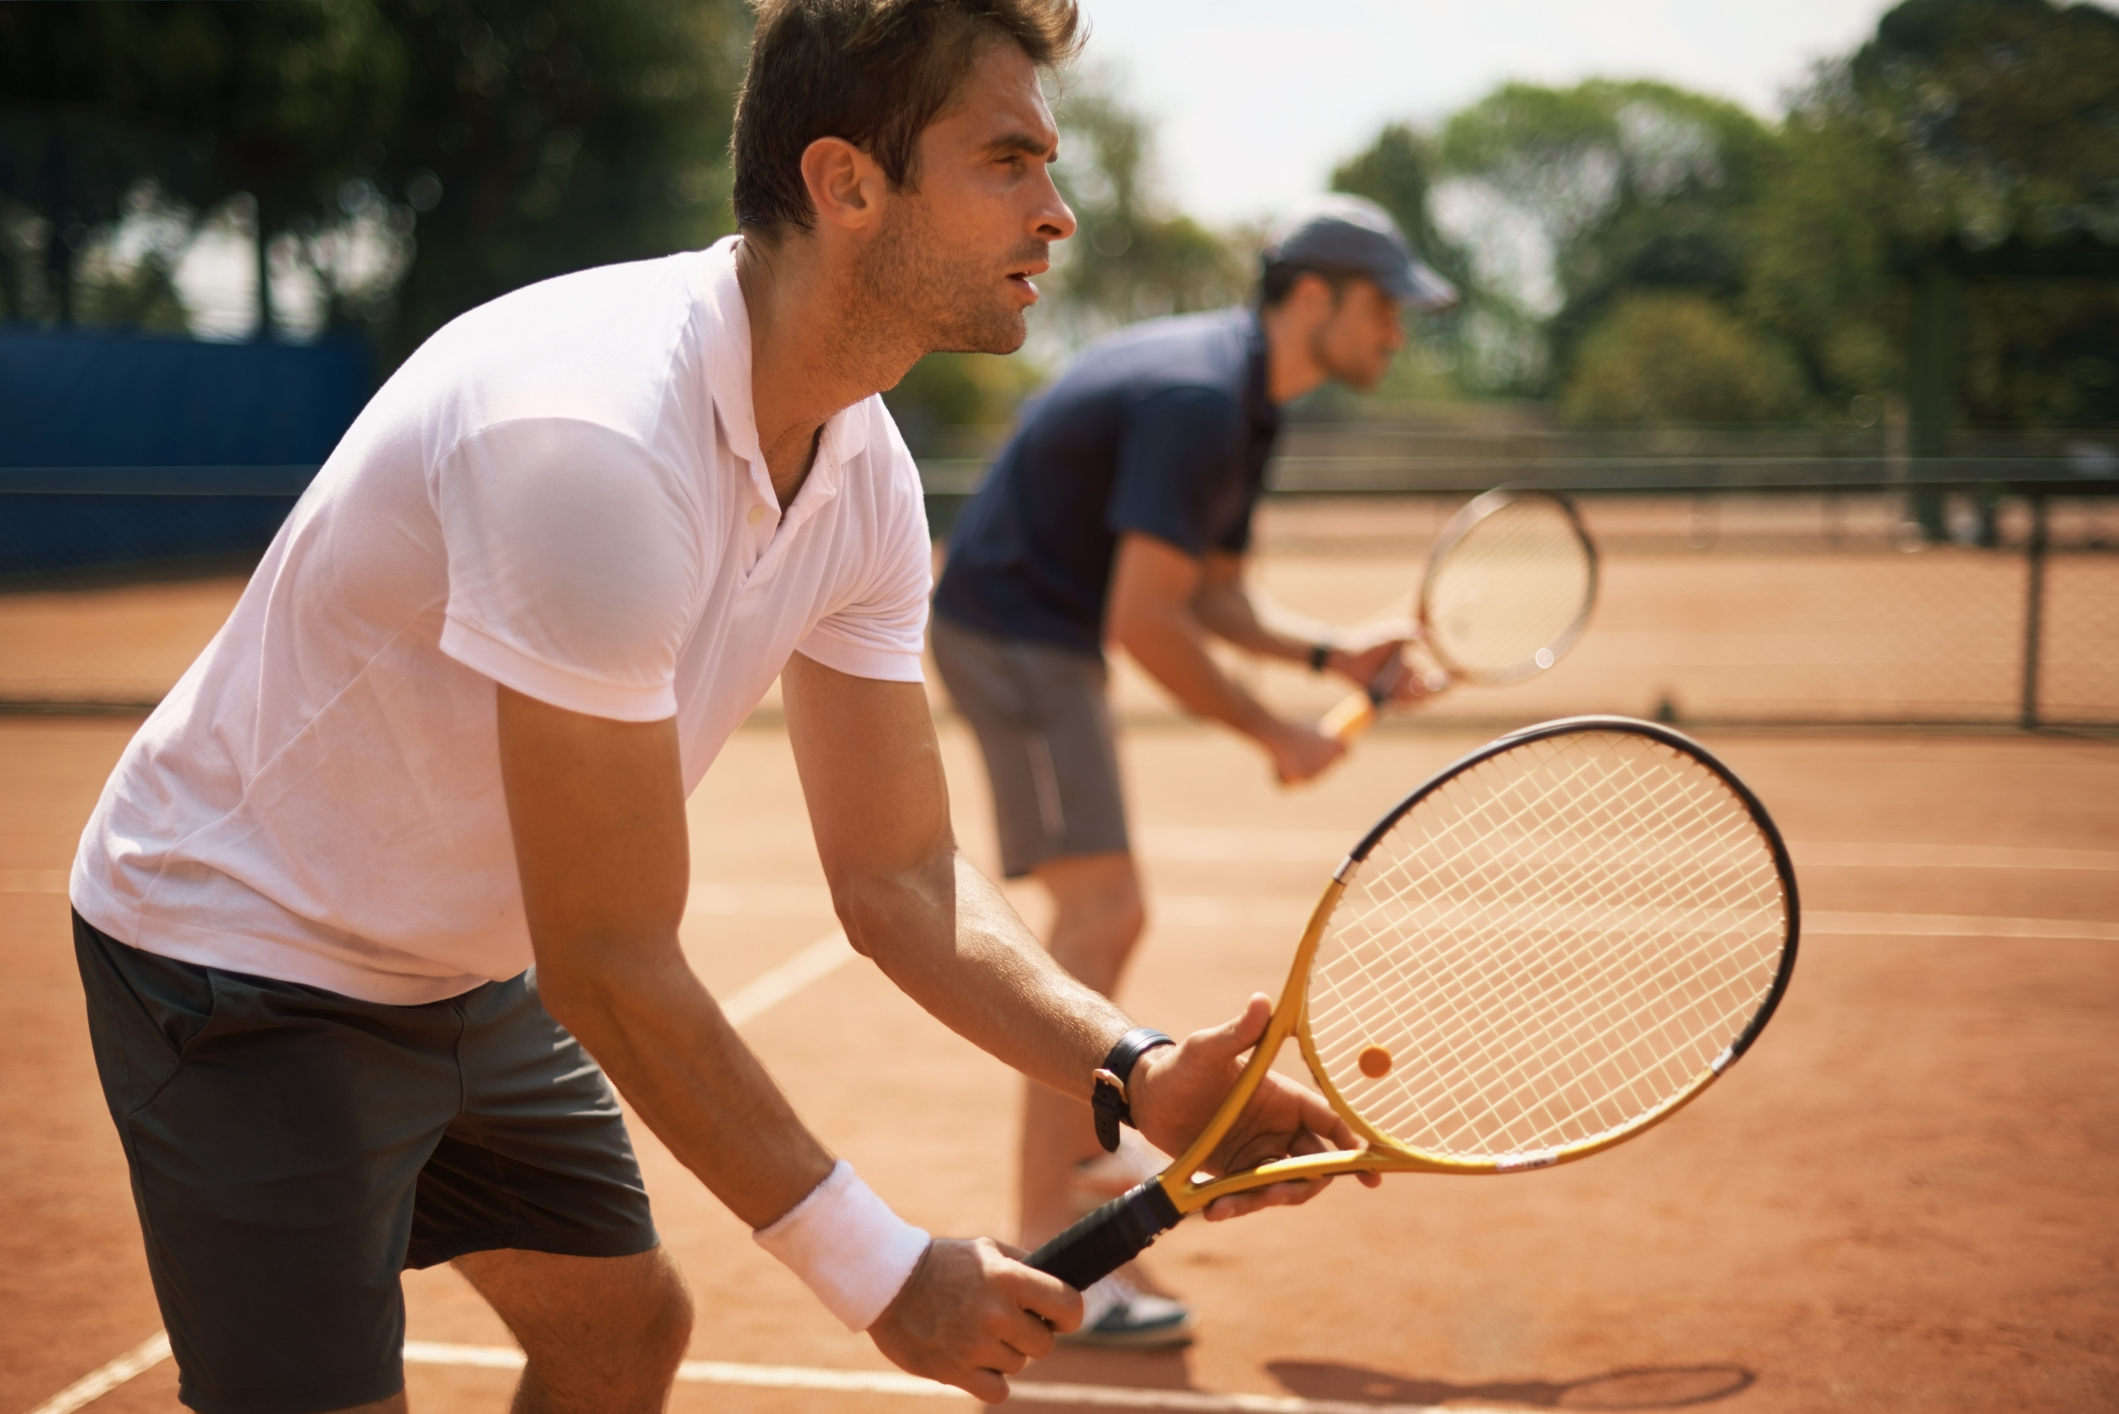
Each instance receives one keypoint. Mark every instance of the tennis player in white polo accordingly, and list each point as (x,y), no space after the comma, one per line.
(448,734)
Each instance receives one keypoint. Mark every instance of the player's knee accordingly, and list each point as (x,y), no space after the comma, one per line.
(666,1330)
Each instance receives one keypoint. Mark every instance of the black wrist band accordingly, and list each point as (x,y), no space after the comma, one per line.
(1108,1101)
(1320,655)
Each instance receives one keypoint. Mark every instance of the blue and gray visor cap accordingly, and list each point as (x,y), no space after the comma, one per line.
(1352,236)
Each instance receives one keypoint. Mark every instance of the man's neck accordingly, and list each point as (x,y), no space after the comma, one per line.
(813,351)
(1291,368)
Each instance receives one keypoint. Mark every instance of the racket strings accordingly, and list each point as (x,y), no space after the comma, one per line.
(1549,947)
(1593,1027)
(1519,580)
(1592,1023)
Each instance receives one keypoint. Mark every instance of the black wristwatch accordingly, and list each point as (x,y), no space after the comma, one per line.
(1108,1100)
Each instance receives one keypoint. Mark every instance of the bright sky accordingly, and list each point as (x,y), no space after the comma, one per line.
(1256,100)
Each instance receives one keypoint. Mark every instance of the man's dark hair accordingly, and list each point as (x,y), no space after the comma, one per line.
(874,72)
(1276,281)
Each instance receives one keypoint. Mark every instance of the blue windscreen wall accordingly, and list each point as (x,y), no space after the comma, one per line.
(117,448)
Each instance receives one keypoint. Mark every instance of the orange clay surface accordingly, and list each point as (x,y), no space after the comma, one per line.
(1902,1199)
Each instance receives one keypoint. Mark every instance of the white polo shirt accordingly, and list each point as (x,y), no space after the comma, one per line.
(561,491)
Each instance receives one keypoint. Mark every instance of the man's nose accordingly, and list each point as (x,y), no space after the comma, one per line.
(1054,220)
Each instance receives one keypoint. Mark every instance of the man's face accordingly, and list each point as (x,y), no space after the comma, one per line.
(1356,343)
(957,251)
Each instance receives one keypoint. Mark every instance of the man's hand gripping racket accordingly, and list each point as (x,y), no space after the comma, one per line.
(1508,590)
(1545,950)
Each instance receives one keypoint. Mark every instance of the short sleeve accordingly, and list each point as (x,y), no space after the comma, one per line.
(574,566)
(1176,467)
(881,632)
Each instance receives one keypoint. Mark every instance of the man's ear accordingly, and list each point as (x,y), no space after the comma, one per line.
(846,186)
(1314,296)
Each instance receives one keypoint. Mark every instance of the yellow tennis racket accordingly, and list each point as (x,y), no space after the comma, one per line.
(1545,950)
(1508,590)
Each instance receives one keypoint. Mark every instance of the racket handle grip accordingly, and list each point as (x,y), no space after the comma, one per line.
(1108,1238)
(1349,719)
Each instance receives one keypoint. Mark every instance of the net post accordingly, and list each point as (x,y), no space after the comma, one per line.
(2034,611)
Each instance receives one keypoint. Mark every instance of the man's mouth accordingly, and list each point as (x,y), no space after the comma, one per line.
(1024,271)
(1020,277)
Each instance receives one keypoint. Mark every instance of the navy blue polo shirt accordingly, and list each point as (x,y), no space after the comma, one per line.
(1163,428)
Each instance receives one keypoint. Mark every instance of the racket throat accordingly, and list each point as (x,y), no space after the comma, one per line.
(1110,1237)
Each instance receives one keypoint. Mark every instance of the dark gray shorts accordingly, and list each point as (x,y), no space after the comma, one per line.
(292,1150)
(1045,730)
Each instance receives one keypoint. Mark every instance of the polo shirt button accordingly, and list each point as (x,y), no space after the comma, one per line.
(757,513)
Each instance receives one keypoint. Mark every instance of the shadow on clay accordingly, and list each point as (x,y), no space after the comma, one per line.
(1643,1387)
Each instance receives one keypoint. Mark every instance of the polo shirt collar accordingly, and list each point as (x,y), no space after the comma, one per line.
(728,363)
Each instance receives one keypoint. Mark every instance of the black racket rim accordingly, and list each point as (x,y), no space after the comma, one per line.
(1677,741)
(1477,509)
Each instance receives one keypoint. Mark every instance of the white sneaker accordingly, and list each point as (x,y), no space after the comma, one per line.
(1116,1314)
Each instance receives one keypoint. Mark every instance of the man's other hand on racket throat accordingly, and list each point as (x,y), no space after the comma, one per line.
(1176,1090)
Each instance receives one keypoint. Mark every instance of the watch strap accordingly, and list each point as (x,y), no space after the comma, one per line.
(1108,1098)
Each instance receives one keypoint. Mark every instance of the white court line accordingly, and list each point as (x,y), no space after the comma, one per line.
(722,1372)
(145,1356)
(1950,856)
(1254,911)
(1957,925)
(1217,844)
(786,900)
(821,958)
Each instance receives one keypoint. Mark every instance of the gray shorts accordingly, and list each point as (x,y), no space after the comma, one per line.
(292,1150)
(1045,729)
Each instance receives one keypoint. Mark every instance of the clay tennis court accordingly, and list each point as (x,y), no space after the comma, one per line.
(1901,1199)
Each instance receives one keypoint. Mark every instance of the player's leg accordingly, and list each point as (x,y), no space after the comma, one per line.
(534,1195)
(1045,731)
(602,1334)
(275,1135)
(1096,920)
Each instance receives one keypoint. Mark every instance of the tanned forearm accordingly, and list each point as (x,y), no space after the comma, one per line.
(1153,615)
(948,939)
(657,1033)
(872,773)
(598,813)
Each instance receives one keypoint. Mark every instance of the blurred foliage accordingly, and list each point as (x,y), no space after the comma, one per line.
(502,140)
(1133,257)
(1971,137)
(1576,197)
(1962,131)
(954,404)
(1628,249)
(1675,356)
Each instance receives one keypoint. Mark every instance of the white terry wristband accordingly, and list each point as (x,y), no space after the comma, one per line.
(847,1246)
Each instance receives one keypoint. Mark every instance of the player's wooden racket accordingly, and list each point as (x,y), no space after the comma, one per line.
(1508,590)
(1543,951)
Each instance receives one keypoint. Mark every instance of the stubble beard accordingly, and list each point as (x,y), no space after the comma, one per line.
(935,299)
(1362,378)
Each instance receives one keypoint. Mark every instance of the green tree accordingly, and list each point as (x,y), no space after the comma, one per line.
(1134,257)
(488,143)
(541,136)
(1598,191)
(1974,134)
(1676,356)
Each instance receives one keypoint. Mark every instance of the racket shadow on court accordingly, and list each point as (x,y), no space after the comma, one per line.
(1637,1387)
